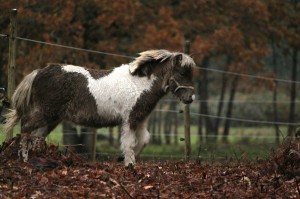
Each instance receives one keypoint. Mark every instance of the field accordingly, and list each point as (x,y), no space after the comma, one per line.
(250,142)
(53,173)
(244,142)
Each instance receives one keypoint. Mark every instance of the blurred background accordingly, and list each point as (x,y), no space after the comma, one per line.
(246,51)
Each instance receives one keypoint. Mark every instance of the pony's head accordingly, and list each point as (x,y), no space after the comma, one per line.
(174,69)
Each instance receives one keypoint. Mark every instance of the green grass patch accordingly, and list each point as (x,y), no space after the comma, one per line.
(243,142)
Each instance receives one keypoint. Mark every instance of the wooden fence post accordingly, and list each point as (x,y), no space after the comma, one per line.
(186,116)
(94,144)
(11,84)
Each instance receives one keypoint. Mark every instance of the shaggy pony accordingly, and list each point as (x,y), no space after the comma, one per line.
(123,96)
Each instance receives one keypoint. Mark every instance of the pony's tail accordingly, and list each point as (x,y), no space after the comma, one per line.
(11,119)
(20,102)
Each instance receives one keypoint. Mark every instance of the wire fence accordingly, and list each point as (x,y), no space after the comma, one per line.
(234,101)
(202,68)
(67,132)
(193,133)
(249,76)
(241,145)
(75,48)
(133,57)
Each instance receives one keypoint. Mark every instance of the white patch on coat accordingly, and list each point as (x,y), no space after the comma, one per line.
(116,93)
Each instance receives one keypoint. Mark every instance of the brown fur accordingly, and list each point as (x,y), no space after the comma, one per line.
(55,93)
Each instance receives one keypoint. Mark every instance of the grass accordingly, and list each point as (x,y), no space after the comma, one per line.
(244,142)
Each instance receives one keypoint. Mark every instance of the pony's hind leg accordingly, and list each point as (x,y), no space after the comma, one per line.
(32,122)
(45,130)
(29,126)
(40,132)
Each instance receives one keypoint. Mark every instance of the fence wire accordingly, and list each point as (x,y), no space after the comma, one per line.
(133,57)
(75,48)
(234,102)
(180,135)
(208,69)
(233,119)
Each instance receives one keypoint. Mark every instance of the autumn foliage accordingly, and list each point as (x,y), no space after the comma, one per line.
(53,174)
(239,29)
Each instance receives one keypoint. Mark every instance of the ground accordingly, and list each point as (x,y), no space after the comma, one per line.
(50,173)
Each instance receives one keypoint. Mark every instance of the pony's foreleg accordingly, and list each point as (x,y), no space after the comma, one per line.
(128,143)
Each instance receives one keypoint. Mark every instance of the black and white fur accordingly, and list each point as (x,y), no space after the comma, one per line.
(123,96)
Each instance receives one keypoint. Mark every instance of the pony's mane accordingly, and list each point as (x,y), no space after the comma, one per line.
(159,56)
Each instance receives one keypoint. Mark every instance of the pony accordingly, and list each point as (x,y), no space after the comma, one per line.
(97,98)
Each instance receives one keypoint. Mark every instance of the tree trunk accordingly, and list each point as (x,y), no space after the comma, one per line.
(200,132)
(174,122)
(150,128)
(275,108)
(119,133)
(111,136)
(203,100)
(153,125)
(159,124)
(222,96)
(221,104)
(167,127)
(229,109)
(275,111)
(291,127)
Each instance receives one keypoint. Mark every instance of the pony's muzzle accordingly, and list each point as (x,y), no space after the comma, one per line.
(189,99)
(186,94)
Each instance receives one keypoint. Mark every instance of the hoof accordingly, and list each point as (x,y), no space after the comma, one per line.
(130,166)
(121,158)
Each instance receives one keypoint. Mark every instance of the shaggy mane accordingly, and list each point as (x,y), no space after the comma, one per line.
(161,56)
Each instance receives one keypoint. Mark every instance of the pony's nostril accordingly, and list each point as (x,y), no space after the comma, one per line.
(193,97)
(188,100)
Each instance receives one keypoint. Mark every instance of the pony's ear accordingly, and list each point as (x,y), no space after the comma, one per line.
(133,68)
(178,59)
